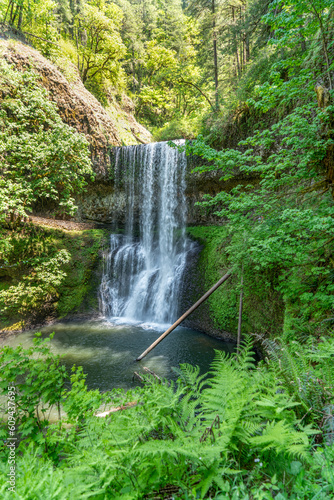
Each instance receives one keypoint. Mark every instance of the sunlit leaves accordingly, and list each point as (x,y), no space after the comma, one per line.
(41,157)
(99,44)
(296,19)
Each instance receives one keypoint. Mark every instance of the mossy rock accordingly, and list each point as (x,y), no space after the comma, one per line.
(77,293)
(263,308)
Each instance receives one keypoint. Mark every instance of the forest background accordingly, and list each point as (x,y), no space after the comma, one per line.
(251,83)
(254,80)
(176,59)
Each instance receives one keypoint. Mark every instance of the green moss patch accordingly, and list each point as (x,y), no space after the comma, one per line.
(24,250)
(79,289)
(211,266)
(263,310)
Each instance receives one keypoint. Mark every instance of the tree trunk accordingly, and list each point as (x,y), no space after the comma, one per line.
(324,43)
(19,24)
(185,315)
(240,312)
(10,4)
(215,56)
(247,48)
(236,48)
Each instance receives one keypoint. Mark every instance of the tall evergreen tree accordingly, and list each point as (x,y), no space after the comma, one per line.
(207,11)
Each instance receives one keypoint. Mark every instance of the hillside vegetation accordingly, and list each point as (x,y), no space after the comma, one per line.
(280,231)
(250,82)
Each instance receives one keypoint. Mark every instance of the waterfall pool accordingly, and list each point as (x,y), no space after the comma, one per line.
(141,289)
(107,350)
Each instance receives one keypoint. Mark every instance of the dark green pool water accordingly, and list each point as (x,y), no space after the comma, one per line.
(107,351)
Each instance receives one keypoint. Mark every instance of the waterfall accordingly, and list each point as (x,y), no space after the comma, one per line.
(145,264)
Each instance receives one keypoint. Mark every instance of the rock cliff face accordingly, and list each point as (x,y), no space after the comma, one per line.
(194,285)
(77,107)
(104,202)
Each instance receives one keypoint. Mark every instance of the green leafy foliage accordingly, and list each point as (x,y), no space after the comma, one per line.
(300,22)
(199,438)
(179,59)
(41,157)
(98,56)
(282,226)
(249,430)
(41,384)
(37,379)
(148,48)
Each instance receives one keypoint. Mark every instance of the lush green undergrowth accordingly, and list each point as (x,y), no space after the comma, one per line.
(44,161)
(46,272)
(248,431)
(279,229)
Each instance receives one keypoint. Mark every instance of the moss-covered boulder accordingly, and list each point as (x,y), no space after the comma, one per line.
(263,308)
(36,286)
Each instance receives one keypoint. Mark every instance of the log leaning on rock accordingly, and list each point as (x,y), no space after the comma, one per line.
(185,315)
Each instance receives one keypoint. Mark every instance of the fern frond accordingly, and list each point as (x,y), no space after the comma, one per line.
(190,377)
(322,350)
(245,358)
(283,438)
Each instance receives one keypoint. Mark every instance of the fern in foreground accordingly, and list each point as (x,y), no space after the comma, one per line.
(234,432)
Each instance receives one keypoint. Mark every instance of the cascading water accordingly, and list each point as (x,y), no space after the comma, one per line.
(145,265)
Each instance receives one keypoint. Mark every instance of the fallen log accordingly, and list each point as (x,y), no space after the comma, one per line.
(152,373)
(119,408)
(138,376)
(185,315)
